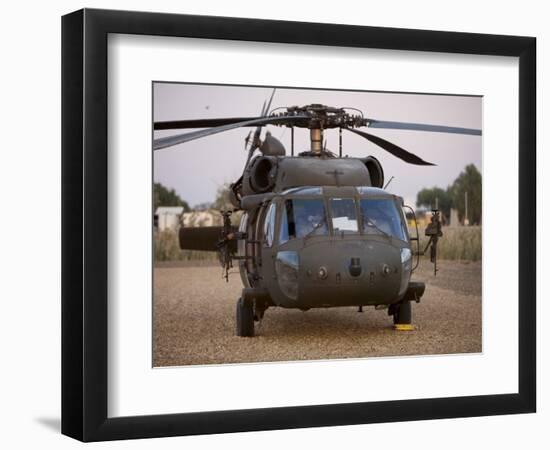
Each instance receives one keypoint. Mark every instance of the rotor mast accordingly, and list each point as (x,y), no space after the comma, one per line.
(316,137)
(319,117)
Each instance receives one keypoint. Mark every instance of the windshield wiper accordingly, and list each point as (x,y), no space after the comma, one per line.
(315,228)
(368,222)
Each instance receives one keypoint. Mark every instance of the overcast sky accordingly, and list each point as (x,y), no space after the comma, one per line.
(197,168)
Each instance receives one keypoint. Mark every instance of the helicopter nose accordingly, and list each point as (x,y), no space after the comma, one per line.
(349,272)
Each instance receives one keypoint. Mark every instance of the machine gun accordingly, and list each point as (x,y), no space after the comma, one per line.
(225,250)
(433,230)
(227,244)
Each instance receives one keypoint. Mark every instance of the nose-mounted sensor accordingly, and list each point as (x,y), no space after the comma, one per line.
(355,267)
(322,273)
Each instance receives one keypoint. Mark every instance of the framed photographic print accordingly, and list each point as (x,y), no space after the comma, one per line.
(276,225)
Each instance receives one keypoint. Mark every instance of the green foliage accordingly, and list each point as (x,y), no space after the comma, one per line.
(427,198)
(468,181)
(164,197)
(454,196)
(223,201)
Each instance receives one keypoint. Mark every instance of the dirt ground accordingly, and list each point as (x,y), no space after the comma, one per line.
(194,321)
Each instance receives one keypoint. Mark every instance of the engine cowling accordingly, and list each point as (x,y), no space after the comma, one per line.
(376,172)
(260,176)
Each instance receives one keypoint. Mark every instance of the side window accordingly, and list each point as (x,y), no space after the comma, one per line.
(283,231)
(405,222)
(269,226)
(241,243)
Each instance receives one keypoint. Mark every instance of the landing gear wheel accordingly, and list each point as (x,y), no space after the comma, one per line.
(245,318)
(403,313)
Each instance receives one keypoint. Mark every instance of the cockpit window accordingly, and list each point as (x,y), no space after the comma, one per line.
(344,215)
(303,218)
(380,216)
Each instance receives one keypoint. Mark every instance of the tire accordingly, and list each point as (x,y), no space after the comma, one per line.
(245,318)
(403,313)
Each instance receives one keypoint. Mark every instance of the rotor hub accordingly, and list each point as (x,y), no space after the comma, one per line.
(317,116)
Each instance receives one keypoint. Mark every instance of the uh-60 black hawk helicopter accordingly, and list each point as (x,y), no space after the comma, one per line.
(318,229)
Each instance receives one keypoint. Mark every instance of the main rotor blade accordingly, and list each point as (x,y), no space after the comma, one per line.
(395,150)
(209,123)
(169,141)
(372,123)
(269,103)
(262,112)
(199,123)
(258,132)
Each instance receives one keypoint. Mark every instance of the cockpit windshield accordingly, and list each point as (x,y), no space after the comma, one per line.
(343,215)
(380,216)
(305,217)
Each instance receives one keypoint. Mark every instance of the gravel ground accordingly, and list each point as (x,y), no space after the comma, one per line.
(194,314)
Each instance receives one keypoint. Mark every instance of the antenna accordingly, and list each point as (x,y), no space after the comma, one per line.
(389,181)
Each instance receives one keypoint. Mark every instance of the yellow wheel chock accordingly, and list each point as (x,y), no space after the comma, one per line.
(404,327)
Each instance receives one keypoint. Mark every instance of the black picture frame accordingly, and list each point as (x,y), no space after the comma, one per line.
(84,224)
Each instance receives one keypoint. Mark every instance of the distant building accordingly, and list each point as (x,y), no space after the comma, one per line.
(206,218)
(422,219)
(167,218)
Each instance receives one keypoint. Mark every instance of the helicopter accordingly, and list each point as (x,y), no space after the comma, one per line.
(317,228)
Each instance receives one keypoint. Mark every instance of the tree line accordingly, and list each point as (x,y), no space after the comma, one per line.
(467,185)
(162,196)
(167,197)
